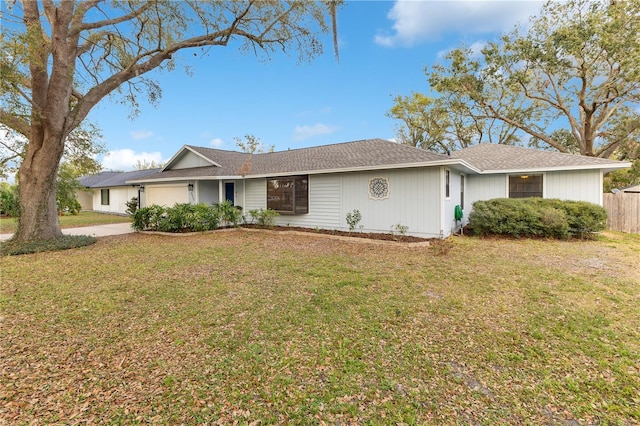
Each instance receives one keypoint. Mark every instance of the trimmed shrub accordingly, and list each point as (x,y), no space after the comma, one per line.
(353,218)
(148,218)
(228,213)
(132,206)
(583,218)
(536,217)
(263,217)
(179,218)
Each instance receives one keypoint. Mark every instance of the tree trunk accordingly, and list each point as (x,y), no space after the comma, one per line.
(37,196)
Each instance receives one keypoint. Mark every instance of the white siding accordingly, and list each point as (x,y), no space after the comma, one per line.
(324,202)
(208,191)
(166,195)
(118,196)
(414,201)
(255,196)
(188,160)
(582,185)
(449,224)
(85,198)
(484,187)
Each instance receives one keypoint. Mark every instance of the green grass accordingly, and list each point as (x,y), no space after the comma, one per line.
(9,225)
(244,327)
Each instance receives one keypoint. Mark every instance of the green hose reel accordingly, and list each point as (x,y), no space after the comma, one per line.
(457,213)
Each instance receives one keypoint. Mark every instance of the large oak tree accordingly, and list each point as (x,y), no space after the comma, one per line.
(570,82)
(58,59)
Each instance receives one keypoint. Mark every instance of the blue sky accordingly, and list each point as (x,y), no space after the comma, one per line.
(384,48)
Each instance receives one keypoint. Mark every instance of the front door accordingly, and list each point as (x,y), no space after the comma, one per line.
(229,192)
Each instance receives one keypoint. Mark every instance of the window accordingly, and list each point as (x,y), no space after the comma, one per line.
(104,197)
(462,191)
(523,186)
(288,195)
(447,184)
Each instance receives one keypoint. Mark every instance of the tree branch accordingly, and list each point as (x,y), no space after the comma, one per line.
(76,29)
(14,122)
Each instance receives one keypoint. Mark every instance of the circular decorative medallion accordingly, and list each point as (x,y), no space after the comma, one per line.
(378,188)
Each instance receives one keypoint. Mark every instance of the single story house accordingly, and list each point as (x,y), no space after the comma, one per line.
(108,191)
(389,183)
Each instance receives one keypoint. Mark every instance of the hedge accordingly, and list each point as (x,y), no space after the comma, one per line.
(537,217)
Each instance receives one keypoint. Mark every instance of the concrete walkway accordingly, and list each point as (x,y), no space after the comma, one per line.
(94,231)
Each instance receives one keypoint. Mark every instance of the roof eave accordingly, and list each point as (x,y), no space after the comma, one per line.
(435,163)
(183,178)
(604,167)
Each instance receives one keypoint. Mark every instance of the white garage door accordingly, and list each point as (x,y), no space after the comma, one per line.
(166,195)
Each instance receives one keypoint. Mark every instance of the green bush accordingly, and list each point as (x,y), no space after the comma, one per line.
(9,200)
(353,218)
(229,214)
(148,218)
(537,217)
(132,206)
(179,218)
(583,218)
(263,217)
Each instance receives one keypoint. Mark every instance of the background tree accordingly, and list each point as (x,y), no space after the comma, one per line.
(571,82)
(59,59)
(147,165)
(82,147)
(252,145)
(442,125)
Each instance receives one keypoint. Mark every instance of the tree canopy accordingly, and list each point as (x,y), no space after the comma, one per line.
(59,59)
(252,144)
(570,82)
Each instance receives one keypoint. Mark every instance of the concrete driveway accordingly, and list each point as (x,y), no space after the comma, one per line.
(94,231)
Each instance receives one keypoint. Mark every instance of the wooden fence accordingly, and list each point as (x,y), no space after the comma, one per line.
(623,210)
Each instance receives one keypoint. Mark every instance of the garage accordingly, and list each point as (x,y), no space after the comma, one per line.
(166,195)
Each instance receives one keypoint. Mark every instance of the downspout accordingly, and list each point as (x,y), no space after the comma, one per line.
(601,187)
(442,204)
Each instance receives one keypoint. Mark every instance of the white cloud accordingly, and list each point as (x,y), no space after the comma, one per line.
(417,21)
(306,132)
(216,143)
(137,135)
(125,159)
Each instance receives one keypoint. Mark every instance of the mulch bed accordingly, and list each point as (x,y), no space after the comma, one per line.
(368,235)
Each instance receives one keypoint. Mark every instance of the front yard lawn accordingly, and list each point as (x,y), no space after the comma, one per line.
(267,328)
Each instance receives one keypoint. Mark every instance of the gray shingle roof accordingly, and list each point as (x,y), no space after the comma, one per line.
(365,153)
(111,179)
(375,154)
(495,157)
(370,153)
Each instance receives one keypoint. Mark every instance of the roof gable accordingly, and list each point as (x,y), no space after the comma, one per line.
(187,157)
